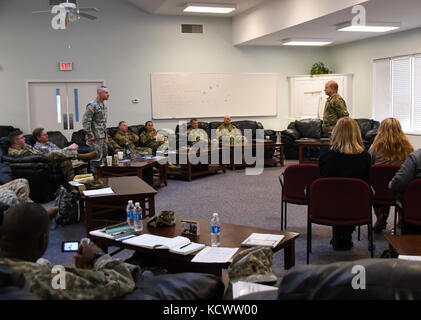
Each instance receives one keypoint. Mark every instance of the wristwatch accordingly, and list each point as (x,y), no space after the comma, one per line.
(97,255)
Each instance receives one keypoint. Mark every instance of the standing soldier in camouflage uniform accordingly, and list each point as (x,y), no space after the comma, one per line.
(149,137)
(124,135)
(335,108)
(59,158)
(94,124)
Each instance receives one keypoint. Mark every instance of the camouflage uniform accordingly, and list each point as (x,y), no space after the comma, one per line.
(59,158)
(224,131)
(110,278)
(121,138)
(49,147)
(148,139)
(15,192)
(335,109)
(113,145)
(195,135)
(94,124)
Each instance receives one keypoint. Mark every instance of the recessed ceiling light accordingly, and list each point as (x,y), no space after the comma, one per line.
(369,27)
(209,7)
(305,42)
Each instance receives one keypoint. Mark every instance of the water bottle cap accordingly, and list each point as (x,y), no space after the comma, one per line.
(131,201)
(137,204)
(215,214)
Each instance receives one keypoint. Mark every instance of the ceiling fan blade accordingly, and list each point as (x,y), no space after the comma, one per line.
(88,16)
(88,9)
(41,11)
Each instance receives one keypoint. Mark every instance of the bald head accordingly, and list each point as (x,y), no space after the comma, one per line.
(103,93)
(24,233)
(227,119)
(331,87)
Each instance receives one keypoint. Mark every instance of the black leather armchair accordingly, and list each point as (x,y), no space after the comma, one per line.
(44,180)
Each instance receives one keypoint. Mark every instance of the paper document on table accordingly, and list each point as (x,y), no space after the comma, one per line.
(75,184)
(98,192)
(412,258)
(262,239)
(241,288)
(214,255)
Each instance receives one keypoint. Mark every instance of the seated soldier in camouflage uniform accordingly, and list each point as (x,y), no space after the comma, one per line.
(228,130)
(195,134)
(97,276)
(59,158)
(124,135)
(150,137)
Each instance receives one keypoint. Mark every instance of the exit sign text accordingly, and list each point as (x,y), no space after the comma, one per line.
(66,66)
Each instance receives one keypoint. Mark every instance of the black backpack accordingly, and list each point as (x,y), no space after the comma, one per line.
(68,206)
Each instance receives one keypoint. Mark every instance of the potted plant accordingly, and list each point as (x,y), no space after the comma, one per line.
(319,68)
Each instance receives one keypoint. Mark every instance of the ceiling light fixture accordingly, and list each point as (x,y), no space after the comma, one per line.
(209,7)
(305,42)
(369,27)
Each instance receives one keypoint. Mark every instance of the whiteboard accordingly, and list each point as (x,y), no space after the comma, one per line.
(206,95)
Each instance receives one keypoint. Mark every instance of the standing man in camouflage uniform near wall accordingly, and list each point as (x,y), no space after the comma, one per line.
(94,124)
(335,108)
(124,135)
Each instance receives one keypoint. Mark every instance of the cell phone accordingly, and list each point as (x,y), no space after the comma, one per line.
(70,246)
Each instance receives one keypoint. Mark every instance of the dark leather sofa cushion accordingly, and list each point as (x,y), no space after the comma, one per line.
(13,286)
(5,130)
(214,125)
(137,129)
(29,139)
(5,173)
(112,131)
(386,279)
(309,128)
(58,139)
(178,286)
(365,126)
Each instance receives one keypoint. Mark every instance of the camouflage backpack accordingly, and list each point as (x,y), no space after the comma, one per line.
(68,207)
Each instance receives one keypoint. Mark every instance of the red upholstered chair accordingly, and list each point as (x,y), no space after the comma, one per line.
(411,204)
(380,176)
(294,180)
(339,202)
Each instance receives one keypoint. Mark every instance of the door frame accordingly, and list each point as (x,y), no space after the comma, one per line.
(28,82)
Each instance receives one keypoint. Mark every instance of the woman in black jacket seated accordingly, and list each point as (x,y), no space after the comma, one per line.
(346,158)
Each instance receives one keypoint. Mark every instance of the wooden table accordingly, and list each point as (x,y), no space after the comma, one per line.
(103,210)
(187,170)
(303,143)
(231,236)
(273,154)
(144,169)
(405,244)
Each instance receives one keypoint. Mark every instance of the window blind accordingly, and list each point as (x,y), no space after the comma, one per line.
(382,101)
(401,91)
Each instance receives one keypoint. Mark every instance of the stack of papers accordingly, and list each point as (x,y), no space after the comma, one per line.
(262,239)
(215,255)
(98,192)
(116,231)
(412,258)
(178,245)
(241,288)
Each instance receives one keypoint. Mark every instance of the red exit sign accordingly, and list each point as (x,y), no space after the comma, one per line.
(66,66)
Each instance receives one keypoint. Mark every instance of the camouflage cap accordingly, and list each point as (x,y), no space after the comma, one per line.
(253,265)
(93,184)
(164,219)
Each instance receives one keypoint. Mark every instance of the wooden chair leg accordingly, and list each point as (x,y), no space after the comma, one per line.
(359,233)
(285,217)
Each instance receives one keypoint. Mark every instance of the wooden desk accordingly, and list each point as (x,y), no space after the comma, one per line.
(405,244)
(144,169)
(303,143)
(231,236)
(103,210)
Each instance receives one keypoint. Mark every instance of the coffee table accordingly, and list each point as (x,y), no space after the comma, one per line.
(231,236)
(102,210)
(187,171)
(405,244)
(144,169)
(303,143)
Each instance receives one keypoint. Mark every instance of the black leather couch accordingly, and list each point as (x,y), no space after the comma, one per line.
(312,128)
(44,179)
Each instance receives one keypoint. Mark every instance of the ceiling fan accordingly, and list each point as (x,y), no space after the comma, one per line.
(73,12)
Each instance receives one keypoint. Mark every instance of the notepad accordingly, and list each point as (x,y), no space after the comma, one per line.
(178,245)
(98,192)
(241,288)
(215,255)
(262,239)
(115,231)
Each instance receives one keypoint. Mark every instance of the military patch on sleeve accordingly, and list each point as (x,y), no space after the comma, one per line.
(92,109)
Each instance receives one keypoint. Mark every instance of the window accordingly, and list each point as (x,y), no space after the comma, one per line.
(397,90)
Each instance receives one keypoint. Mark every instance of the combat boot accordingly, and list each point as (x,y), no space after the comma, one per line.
(87,156)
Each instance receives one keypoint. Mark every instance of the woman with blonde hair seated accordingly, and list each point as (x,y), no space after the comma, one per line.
(390,146)
(346,158)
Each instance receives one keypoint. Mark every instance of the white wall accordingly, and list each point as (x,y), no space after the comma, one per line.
(123,47)
(357,57)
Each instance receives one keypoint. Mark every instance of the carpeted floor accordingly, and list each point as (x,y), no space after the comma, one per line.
(239,199)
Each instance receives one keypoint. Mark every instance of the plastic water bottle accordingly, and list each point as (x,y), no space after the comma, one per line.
(137,219)
(127,151)
(130,212)
(215,231)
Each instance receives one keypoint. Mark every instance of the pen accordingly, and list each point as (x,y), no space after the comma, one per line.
(125,238)
(185,245)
